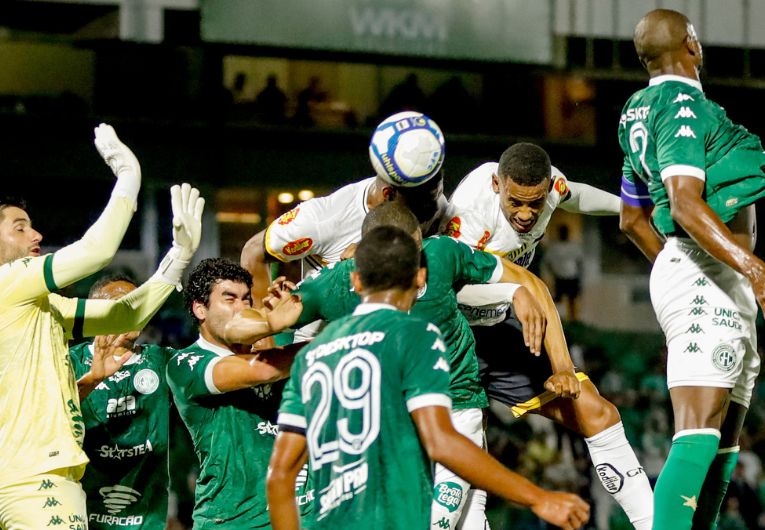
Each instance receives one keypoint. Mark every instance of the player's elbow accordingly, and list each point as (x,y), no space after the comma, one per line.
(681,211)
(254,252)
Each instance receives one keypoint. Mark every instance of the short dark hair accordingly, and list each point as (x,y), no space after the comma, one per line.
(526,164)
(206,275)
(387,258)
(390,213)
(106,279)
(9,200)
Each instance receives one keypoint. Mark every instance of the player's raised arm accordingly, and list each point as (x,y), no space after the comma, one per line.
(32,276)
(281,310)
(134,310)
(590,200)
(459,454)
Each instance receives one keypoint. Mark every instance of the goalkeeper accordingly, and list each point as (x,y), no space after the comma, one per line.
(41,426)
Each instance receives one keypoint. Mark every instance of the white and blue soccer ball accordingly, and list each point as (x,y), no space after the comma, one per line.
(407,149)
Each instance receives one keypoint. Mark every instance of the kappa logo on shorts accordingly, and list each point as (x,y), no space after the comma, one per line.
(701,282)
(699,300)
(692,348)
(612,480)
(448,495)
(443,522)
(287,217)
(695,328)
(697,311)
(297,247)
(724,357)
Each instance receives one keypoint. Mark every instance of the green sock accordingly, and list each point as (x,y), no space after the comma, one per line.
(715,486)
(676,494)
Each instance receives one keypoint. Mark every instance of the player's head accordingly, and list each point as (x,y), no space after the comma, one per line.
(522,182)
(217,289)
(666,38)
(422,200)
(17,237)
(112,287)
(388,265)
(393,214)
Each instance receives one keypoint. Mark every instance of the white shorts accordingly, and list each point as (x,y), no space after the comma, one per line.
(452,495)
(707,312)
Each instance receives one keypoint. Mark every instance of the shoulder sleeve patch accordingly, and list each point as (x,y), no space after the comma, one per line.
(298,247)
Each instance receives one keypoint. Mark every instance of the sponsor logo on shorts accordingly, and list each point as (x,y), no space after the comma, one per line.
(453,227)
(115,520)
(297,247)
(146,381)
(448,495)
(612,480)
(727,318)
(287,217)
(724,357)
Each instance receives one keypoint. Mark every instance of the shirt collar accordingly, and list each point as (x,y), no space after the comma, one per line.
(664,78)
(365,309)
(209,346)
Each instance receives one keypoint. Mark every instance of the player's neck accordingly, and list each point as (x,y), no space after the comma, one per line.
(399,299)
(217,341)
(673,67)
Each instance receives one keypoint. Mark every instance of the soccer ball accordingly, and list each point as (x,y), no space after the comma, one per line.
(407,149)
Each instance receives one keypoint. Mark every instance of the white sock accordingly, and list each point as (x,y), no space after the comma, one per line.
(622,475)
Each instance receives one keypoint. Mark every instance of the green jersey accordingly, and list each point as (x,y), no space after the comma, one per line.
(126,423)
(327,295)
(350,393)
(670,128)
(233,434)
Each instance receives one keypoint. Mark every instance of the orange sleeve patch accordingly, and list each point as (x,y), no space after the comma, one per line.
(561,187)
(287,217)
(482,242)
(297,247)
(453,227)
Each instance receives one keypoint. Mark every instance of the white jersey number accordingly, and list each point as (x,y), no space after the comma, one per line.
(363,367)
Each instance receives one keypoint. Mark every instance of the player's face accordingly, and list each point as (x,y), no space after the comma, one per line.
(17,237)
(521,205)
(113,291)
(226,300)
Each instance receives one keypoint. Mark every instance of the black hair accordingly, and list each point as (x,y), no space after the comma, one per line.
(525,164)
(387,258)
(9,200)
(390,213)
(106,279)
(206,275)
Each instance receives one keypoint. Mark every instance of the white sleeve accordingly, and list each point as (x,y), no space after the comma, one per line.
(487,294)
(296,234)
(587,199)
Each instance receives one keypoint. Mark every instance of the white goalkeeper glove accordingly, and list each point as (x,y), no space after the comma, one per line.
(121,160)
(187,231)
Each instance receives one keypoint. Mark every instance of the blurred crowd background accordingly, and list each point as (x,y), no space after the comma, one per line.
(262,104)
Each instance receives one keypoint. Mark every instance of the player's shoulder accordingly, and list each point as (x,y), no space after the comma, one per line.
(188,357)
(443,244)
(157,353)
(81,351)
(476,183)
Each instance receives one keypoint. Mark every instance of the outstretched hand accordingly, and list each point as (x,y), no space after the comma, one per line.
(282,308)
(117,155)
(108,356)
(187,208)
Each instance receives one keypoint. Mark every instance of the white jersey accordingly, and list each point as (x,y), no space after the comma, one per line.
(475,217)
(319,230)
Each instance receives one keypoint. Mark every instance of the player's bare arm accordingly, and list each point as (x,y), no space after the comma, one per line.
(694,215)
(459,454)
(634,221)
(245,370)
(256,260)
(590,200)
(289,455)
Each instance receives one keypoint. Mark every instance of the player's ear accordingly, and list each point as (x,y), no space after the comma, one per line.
(495,182)
(389,193)
(356,282)
(422,277)
(199,310)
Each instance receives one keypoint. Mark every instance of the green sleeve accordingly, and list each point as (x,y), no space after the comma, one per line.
(310,292)
(291,411)
(425,370)
(189,374)
(680,133)
(469,265)
(78,354)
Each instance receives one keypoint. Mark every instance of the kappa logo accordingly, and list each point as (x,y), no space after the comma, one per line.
(287,217)
(453,227)
(692,348)
(297,247)
(724,357)
(55,521)
(116,498)
(685,112)
(699,300)
(51,502)
(697,311)
(701,282)
(193,359)
(612,480)
(685,131)
(441,364)
(46,485)
(484,239)
(695,328)
(683,97)
(443,522)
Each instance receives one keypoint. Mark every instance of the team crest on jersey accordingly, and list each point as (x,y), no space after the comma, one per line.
(724,357)
(561,187)
(287,217)
(297,247)
(146,381)
(484,239)
(453,227)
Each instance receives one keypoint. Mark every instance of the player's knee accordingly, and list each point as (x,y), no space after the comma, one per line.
(601,415)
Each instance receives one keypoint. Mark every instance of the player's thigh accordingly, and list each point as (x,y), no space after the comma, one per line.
(450,491)
(49,500)
(587,415)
